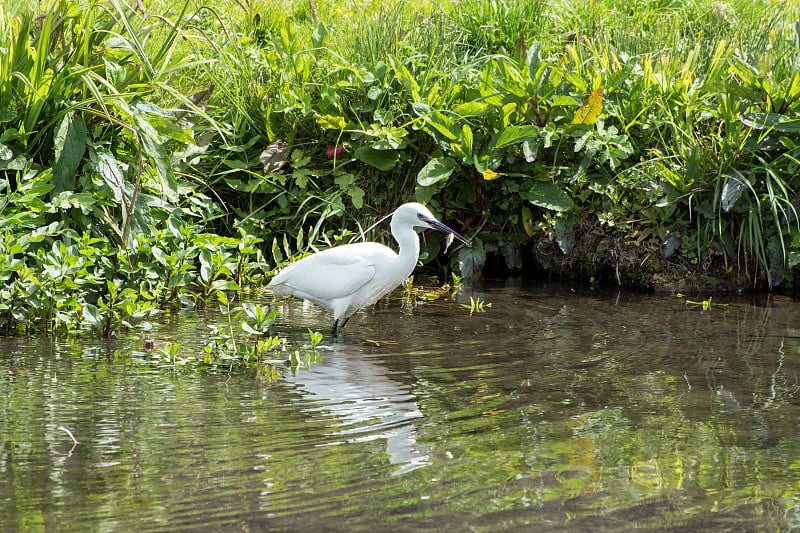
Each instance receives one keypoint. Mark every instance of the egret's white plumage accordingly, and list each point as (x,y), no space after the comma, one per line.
(347,278)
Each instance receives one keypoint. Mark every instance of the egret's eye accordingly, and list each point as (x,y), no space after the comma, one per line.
(420,216)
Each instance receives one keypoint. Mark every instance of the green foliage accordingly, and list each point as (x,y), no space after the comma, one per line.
(258,349)
(632,115)
(142,151)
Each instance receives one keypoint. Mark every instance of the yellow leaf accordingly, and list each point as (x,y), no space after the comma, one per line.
(332,123)
(492,175)
(588,112)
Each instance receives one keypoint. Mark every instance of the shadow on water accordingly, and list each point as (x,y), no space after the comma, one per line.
(551,410)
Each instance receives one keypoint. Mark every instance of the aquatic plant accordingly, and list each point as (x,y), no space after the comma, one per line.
(476,305)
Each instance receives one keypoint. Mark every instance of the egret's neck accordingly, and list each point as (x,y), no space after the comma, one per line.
(408,241)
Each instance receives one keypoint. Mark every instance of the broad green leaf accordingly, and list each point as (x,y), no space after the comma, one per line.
(437,121)
(527,221)
(472,109)
(424,194)
(18,163)
(104,163)
(549,196)
(436,170)
(732,191)
(357,196)
(530,150)
(574,79)
(344,180)
(277,255)
(380,159)
(92,316)
(8,113)
(169,127)
(421,109)
(222,297)
(565,100)
(406,78)
(565,232)
(157,152)
(515,134)
(534,61)
(471,259)
(247,328)
(793,92)
(319,34)
(770,121)
(466,133)
(181,279)
(69,142)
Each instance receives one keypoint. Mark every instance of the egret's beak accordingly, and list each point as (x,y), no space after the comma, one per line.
(435,224)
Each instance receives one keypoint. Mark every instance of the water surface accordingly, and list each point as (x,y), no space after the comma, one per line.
(554,409)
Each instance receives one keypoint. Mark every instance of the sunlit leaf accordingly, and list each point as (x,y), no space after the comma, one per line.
(793,92)
(181,279)
(331,122)
(438,121)
(275,156)
(156,150)
(530,150)
(588,112)
(406,78)
(534,61)
(319,34)
(565,100)
(472,109)
(516,134)
(771,121)
(466,133)
(436,170)
(732,191)
(565,232)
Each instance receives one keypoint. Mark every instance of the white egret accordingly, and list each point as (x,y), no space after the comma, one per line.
(347,278)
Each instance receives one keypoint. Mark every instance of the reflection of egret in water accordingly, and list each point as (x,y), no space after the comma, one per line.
(364,403)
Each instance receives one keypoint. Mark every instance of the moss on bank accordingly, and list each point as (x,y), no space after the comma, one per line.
(601,257)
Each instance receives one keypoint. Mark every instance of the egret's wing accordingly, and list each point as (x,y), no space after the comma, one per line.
(330,274)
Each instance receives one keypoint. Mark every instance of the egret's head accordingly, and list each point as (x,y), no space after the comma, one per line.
(415,214)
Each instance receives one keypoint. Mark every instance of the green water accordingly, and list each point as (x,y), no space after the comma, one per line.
(553,410)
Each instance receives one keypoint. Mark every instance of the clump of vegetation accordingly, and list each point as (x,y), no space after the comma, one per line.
(152,155)
(667,126)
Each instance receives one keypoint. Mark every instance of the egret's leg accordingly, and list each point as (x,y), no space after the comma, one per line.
(337,326)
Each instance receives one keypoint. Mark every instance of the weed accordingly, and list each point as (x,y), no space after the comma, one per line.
(476,305)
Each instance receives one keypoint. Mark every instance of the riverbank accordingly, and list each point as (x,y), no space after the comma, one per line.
(155,155)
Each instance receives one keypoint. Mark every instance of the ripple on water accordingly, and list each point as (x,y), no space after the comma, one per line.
(551,410)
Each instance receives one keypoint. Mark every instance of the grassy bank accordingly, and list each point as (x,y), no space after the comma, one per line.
(153,154)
